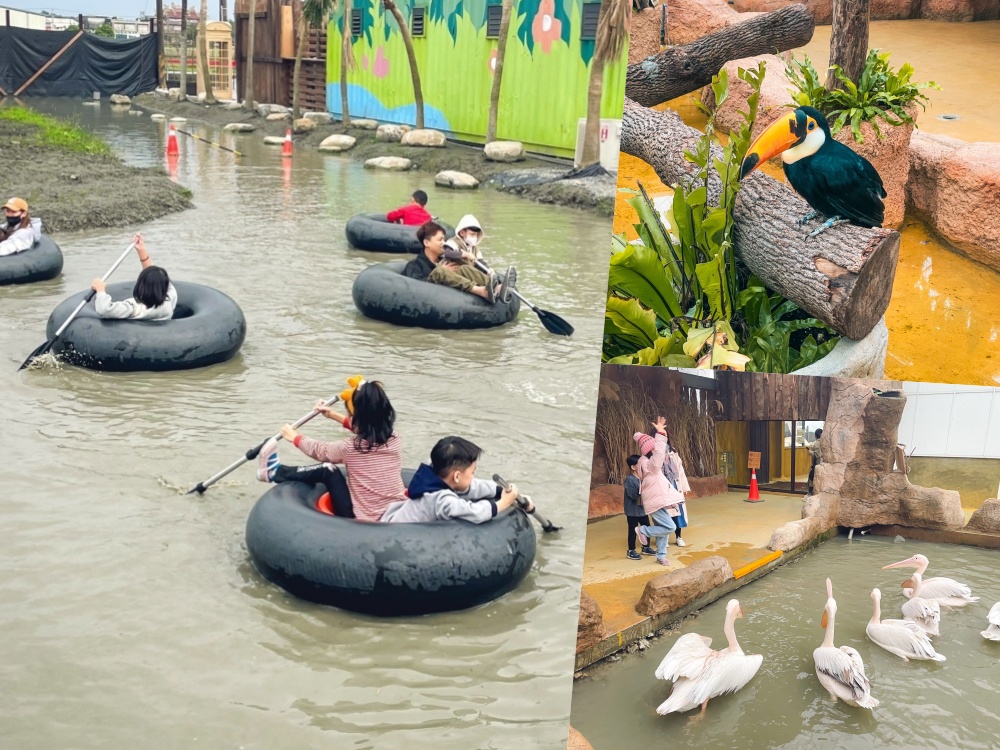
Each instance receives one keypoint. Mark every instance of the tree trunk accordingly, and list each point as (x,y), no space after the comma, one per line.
(418,96)
(184,50)
(300,51)
(204,69)
(843,277)
(161,67)
(848,40)
(248,102)
(681,70)
(345,58)
(592,130)
(491,126)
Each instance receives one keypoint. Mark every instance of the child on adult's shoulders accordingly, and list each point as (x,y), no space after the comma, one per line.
(448,488)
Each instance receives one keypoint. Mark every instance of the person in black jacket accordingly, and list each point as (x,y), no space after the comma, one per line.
(634,513)
(427,266)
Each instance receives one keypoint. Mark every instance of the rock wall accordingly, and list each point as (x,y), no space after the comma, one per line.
(644,35)
(590,629)
(891,10)
(671,591)
(987,518)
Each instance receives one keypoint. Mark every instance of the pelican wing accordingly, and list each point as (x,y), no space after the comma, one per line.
(904,639)
(993,618)
(946,588)
(686,658)
(921,609)
(992,633)
(724,673)
(844,666)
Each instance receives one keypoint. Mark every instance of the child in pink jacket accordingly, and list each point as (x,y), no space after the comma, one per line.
(655,490)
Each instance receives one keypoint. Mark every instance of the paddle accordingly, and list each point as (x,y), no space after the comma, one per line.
(44,348)
(251,454)
(522,501)
(552,322)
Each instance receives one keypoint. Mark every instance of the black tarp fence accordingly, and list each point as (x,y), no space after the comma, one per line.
(92,63)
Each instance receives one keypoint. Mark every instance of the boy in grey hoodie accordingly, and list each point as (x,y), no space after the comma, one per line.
(448,488)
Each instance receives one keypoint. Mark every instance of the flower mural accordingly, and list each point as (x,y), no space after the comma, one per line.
(380,68)
(493,62)
(546,28)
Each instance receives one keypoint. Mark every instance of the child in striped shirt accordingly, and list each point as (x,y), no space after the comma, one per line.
(373,457)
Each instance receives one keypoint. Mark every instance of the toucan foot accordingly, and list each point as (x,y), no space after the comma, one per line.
(808,217)
(832,222)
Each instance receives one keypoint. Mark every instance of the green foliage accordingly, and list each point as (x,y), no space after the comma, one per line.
(105,30)
(72,27)
(879,92)
(56,133)
(676,300)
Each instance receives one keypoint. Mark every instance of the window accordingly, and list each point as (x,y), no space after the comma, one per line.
(417,21)
(494,12)
(356,21)
(588,25)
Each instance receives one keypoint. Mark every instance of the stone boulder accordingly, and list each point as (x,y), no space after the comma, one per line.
(173,94)
(120,99)
(930,507)
(278,116)
(707,486)
(390,133)
(864,358)
(272,109)
(949,10)
(274,140)
(178,120)
(240,127)
(425,138)
(197,99)
(505,151)
(303,125)
(136,112)
(986,519)
(577,741)
(160,93)
(774,96)
(320,118)
(688,20)
(590,629)
(392,163)
(364,124)
(232,106)
(794,534)
(955,187)
(671,591)
(644,34)
(336,143)
(157,117)
(455,179)
(606,500)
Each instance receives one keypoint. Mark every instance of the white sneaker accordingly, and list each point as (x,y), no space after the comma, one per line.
(680,542)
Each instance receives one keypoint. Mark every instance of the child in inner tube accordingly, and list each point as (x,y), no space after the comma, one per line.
(19,232)
(448,488)
(413,213)
(153,296)
(432,265)
(373,456)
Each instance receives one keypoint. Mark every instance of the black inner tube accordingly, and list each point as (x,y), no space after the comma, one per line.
(373,232)
(39,263)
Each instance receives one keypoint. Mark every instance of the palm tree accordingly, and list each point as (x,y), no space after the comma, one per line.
(313,16)
(184,50)
(248,102)
(203,52)
(491,127)
(418,96)
(612,36)
(346,60)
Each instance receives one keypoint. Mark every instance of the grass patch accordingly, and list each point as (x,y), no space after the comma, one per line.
(56,133)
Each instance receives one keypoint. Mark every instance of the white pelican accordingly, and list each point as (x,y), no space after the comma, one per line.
(904,638)
(925,612)
(700,674)
(944,591)
(992,633)
(840,670)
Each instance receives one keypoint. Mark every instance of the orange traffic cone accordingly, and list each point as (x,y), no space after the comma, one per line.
(172,161)
(754,490)
(286,147)
(172,149)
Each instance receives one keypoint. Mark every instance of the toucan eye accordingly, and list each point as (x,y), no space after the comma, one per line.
(812,125)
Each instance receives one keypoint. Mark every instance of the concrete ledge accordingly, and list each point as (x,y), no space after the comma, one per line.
(619,641)
(944,536)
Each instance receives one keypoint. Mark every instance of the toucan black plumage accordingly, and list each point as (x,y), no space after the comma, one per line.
(835,181)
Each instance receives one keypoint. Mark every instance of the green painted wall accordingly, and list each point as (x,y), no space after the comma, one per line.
(546,71)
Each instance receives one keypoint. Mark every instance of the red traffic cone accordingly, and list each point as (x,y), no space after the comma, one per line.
(286,147)
(172,161)
(754,490)
(172,149)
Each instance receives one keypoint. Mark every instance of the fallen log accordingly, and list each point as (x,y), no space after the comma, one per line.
(680,70)
(842,277)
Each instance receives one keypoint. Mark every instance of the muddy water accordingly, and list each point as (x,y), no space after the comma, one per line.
(131,614)
(923,704)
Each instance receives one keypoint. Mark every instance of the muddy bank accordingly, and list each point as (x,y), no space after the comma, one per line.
(72,190)
(532,178)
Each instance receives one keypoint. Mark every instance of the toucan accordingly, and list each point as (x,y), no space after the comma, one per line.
(835,181)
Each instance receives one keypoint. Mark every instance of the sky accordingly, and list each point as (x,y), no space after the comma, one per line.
(120,8)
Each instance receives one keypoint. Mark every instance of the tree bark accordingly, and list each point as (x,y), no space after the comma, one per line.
(248,102)
(300,51)
(843,277)
(345,60)
(184,50)
(418,96)
(679,70)
(491,126)
(204,69)
(848,40)
(591,152)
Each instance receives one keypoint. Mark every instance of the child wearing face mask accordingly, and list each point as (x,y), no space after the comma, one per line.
(448,489)
(464,250)
(19,232)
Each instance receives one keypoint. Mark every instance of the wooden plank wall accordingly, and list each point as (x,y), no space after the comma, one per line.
(757,396)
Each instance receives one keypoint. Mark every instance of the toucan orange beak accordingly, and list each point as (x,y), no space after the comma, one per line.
(779,136)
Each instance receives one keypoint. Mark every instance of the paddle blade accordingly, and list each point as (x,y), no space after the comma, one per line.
(43,349)
(554,324)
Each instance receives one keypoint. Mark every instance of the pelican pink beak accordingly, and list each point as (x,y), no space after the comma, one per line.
(910,562)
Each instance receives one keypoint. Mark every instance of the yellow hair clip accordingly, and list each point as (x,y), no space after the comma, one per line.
(347,395)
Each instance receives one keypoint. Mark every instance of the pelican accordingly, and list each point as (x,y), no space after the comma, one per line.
(904,638)
(840,670)
(700,673)
(925,612)
(944,591)
(992,633)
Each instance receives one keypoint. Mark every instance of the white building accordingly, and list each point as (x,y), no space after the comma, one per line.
(41,21)
(951,421)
